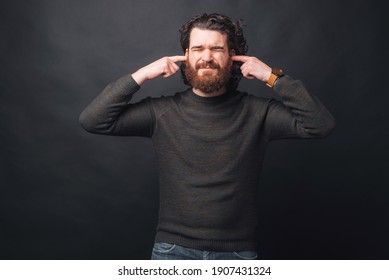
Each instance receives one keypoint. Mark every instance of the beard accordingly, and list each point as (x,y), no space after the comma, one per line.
(208,82)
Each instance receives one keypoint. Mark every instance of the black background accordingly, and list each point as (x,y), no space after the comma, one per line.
(67,194)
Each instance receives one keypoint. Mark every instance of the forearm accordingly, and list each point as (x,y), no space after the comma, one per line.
(311,118)
(101,115)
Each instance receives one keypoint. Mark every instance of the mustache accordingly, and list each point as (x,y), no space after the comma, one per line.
(207,64)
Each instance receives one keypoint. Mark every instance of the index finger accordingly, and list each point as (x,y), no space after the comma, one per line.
(177,58)
(241,58)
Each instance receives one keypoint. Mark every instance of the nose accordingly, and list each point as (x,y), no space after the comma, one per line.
(206,55)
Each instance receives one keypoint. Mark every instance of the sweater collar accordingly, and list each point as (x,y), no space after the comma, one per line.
(209,100)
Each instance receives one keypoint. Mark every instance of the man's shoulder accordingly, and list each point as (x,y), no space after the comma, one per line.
(163,103)
(167,99)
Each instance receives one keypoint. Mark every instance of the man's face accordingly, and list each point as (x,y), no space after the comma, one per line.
(208,67)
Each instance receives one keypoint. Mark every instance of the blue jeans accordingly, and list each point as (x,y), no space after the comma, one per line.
(167,251)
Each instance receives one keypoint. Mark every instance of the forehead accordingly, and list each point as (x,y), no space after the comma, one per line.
(203,37)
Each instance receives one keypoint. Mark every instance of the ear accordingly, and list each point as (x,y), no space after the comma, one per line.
(232,52)
(186,53)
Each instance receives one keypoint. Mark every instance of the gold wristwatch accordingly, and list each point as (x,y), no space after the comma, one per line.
(276,73)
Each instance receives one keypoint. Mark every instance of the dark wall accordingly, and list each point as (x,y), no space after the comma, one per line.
(67,194)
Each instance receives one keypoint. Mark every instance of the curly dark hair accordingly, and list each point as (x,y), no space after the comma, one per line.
(224,24)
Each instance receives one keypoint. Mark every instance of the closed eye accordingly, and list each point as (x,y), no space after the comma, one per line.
(196,48)
(214,48)
(217,48)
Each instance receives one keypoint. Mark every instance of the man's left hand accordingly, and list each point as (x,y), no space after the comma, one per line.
(253,68)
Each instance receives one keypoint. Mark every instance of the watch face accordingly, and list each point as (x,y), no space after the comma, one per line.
(277,71)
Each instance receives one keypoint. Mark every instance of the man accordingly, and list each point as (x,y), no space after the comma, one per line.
(210,139)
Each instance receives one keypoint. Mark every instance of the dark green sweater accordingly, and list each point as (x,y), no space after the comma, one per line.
(210,152)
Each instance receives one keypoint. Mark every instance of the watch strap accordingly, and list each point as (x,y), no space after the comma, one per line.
(272,80)
(276,73)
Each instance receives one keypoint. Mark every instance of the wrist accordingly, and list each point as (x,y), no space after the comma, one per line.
(138,77)
(267,74)
(275,74)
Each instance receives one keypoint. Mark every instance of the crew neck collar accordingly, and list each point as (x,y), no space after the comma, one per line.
(211,99)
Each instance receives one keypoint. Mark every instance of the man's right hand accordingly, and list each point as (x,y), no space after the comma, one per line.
(164,67)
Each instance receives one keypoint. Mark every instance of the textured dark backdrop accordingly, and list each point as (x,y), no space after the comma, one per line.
(67,194)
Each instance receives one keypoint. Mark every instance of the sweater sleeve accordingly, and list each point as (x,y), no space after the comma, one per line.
(112,113)
(300,115)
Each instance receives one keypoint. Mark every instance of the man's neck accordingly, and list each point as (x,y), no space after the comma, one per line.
(209,94)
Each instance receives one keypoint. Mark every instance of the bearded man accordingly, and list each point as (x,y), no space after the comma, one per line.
(210,139)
